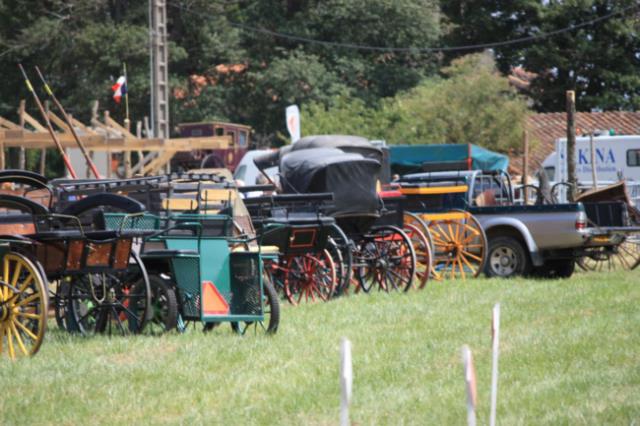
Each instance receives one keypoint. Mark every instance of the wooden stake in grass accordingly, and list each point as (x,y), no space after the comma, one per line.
(470,384)
(495,337)
(346,380)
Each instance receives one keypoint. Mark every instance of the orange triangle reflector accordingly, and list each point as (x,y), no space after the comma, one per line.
(212,301)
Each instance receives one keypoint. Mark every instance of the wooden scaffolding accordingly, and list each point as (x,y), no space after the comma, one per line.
(106,135)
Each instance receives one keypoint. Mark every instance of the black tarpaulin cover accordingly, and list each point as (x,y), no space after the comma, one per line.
(351,144)
(350,177)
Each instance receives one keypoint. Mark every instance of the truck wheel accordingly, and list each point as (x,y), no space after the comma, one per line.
(507,258)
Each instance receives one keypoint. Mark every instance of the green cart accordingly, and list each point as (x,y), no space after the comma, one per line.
(201,274)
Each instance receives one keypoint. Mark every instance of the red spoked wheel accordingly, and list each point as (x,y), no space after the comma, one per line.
(385,258)
(309,277)
(422,247)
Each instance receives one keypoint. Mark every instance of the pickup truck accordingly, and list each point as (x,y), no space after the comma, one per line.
(541,240)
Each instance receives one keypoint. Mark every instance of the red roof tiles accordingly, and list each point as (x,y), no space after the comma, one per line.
(545,128)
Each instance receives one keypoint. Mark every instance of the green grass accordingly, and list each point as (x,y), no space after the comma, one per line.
(570,355)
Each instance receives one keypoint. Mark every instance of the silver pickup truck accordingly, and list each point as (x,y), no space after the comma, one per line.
(541,240)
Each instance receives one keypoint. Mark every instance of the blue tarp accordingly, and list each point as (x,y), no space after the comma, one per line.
(440,157)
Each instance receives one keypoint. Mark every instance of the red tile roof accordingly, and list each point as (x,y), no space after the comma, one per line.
(545,128)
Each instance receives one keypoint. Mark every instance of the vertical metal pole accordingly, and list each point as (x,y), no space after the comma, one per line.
(571,143)
(594,173)
(525,165)
(159,69)
(109,155)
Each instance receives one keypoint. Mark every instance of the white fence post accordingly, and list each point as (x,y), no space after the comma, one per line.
(346,380)
(495,333)
(470,382)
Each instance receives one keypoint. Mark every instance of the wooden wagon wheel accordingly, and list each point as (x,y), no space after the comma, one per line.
(460,244)
(309,278)
(626,256)
(387,258)
(422,247)
(340,248)
(23,306)
(424,256)
(111,302)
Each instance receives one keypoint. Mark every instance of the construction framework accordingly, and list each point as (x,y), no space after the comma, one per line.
(104,135)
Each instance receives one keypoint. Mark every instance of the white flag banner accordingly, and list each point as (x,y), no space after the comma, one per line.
(293,122)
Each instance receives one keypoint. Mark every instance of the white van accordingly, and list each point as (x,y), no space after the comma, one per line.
(616,158)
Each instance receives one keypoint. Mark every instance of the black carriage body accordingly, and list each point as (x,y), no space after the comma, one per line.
(292,222)
(350,177)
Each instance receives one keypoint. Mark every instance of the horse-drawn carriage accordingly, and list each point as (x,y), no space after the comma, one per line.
(372,252)
(42,246)
(204,261)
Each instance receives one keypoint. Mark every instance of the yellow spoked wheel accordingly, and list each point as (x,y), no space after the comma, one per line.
(23,307)
(460,245)
(625,256)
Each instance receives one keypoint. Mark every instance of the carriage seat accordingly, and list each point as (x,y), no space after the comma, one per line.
(255,249)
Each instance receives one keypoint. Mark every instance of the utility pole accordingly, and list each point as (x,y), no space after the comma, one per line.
(571,143)
(159,68)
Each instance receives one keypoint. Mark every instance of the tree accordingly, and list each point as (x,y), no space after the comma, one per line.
(472,103)
(599,61)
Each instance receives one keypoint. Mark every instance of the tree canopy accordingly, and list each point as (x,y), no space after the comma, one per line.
(246,61)
(472,103)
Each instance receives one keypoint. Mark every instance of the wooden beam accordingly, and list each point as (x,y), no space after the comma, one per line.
(22,156)
(62,125)
(34,123)
(143,161)
(80,125)
(159,162)
(8,124)
(114,124)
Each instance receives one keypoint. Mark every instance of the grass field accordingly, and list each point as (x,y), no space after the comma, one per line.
(570,355)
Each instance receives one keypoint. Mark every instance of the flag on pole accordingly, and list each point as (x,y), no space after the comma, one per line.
(293,122)
(119,89)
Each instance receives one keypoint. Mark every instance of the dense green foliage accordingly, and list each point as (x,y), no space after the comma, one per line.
(227,63)
(569,355)
(600,61)
(471,103)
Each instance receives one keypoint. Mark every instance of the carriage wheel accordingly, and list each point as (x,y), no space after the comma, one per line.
(23,307)
(61,304)
(275,270)
(386,258)
(111,303)
(163,310)
(422,247)
(344,245)
(460,245)
(625,256)
(270,311)
(309,278)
